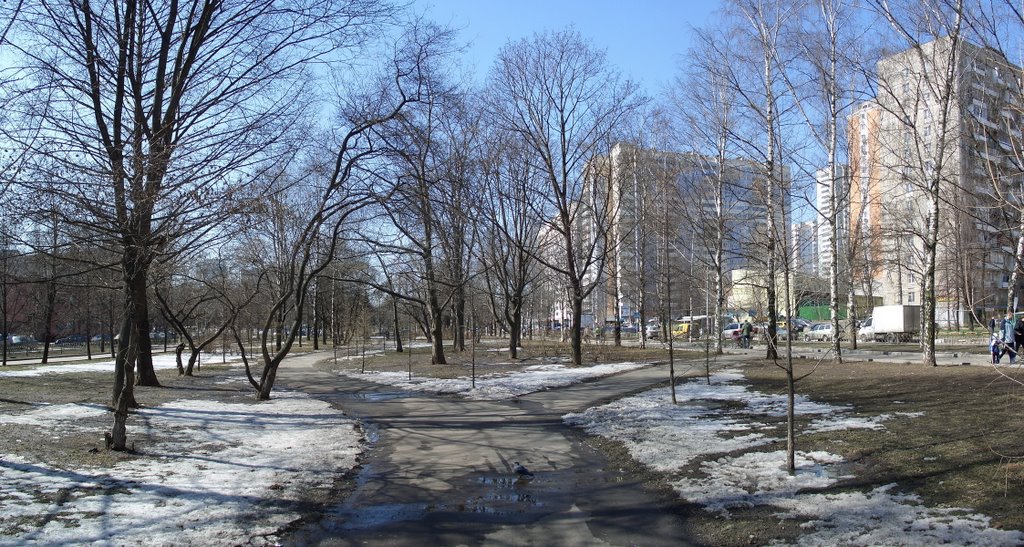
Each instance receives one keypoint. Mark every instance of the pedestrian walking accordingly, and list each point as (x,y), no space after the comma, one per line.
(1008,336)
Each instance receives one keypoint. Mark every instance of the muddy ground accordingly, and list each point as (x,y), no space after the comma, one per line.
(966,450)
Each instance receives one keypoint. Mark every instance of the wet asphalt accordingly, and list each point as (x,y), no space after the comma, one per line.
(438,470)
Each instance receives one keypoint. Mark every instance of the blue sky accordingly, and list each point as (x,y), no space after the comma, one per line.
(643,38)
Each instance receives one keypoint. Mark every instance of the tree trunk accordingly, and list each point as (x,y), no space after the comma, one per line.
(515,327)
(51,303)
(459,311)
(193,357)
(178,350)
(124,366)
(137,286)
(576,333)
(267,380)
(790,421)
(436,333)
(931,245)
(125,399)
(398,328)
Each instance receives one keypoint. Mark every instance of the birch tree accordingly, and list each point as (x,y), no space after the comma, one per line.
(918,92)
(758,83)
(824,84)
(706,111)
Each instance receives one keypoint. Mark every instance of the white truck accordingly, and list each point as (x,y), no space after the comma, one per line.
(899,323)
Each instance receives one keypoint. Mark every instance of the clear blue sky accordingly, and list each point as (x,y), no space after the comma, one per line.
(644,39)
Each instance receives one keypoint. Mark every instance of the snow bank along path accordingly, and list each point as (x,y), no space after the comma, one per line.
(668,437)
(220,474)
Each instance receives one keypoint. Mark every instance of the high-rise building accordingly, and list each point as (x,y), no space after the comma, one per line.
(663,206)
(823,226)
(804,243)
(945,117)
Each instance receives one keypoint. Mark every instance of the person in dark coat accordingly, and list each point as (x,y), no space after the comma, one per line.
(1018,333)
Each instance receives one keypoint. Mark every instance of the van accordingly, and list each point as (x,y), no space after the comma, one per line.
(866,331)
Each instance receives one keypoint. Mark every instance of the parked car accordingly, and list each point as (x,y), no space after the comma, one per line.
(757,331)
(72,340)
(100,337)
(23,341)
(731,330)
(652,329)
(821,332)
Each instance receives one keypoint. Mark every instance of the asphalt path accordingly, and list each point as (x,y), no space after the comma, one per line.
(439,470)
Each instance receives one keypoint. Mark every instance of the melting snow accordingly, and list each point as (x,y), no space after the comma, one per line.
(223,474)
(496,386)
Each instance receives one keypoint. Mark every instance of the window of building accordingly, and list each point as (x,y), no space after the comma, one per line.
(979,110)
(910,297)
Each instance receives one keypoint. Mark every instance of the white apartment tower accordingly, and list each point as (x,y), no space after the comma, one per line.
(804,244)
(823,226)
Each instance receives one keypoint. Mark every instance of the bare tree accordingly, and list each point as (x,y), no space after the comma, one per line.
(824,84)
(201,304)
(757,80)
(510,234)
(158,126)
(337,194)
(560,96)
(706,105)
(426,219)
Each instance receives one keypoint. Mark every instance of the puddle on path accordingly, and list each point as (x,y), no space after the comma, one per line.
(370,516)
(379,395)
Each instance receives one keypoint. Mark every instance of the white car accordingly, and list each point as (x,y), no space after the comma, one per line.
(822,332)
(731,330)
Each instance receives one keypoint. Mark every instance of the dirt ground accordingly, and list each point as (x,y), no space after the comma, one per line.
(965,450)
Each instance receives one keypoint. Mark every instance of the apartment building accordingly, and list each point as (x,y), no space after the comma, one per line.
(945,117)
